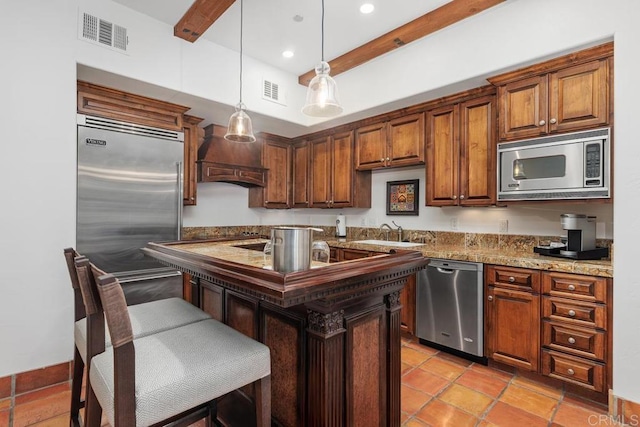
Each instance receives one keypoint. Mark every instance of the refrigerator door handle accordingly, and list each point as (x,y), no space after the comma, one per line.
(180,197)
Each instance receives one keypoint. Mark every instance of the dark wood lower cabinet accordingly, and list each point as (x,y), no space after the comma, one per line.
(333,364)
(366,367)
(333,332)
(284,333)
(408,312)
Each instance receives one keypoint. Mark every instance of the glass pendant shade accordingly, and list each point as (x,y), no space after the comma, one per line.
(240,128)
(322,94)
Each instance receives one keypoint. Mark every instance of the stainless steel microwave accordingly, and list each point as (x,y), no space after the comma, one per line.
(567,166)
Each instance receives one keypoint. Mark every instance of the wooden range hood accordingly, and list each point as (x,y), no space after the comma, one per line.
(203,13)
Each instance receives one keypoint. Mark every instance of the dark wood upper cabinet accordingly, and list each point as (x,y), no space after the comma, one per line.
(393,143)
(371,146)
(193,138)
(101,101)
(301,166)
(565,94)
(334,180)
(461,164)
(276,159)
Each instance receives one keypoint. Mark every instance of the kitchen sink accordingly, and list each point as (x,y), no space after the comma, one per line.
(388,243)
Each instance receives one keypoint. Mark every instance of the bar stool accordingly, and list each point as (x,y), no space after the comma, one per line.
(147,319)
(172,375)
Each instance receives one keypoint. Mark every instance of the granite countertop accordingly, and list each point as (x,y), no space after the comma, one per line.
(230,251)
(602,268)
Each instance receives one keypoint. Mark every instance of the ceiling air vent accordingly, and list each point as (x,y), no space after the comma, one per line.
(271,91)
(102,32)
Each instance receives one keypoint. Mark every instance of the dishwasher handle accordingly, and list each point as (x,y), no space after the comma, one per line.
(447,266)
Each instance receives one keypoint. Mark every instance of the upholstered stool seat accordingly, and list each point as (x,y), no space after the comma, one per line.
(147,319)
(182,368)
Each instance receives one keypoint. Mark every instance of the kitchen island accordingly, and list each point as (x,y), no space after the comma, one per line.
(333,330)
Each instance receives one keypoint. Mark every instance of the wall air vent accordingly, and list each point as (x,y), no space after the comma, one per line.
(272,92)
(102,32)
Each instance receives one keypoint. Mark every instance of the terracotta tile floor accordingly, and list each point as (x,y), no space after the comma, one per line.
(441,390)
(438,390)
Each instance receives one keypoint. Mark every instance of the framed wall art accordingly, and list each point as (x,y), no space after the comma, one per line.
(402,197)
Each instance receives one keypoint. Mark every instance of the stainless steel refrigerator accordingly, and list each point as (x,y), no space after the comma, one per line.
(129,193)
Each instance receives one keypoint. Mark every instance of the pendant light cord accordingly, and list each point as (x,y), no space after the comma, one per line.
(322,31)
(241,19)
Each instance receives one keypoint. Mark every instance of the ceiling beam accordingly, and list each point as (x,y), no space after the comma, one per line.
(200,16)
(437,19)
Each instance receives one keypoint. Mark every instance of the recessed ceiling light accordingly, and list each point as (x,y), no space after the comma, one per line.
(287,53)
(367,8)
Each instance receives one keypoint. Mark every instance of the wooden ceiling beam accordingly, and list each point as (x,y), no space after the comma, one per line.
(437,19)
(200,16)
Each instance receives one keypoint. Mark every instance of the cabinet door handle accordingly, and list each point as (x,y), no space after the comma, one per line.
(553,121)
(382,159)
(571,340)
(542,123)
(462,197)
(570,371)
(454,197)
(571,287)
(571,313)
(387,159)
(490,298)
(512,279)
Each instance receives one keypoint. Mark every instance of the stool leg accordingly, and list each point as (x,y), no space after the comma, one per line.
(263,402)
(92,408)
(76,389)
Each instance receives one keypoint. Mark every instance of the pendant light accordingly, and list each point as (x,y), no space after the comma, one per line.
(240,128)
(322,93)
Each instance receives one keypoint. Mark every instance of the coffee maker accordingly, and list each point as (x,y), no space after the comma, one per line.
(581,239)
(581,232)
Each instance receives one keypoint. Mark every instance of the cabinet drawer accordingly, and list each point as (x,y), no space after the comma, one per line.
(576,312)
(573,369)
(587,288)
(583,342)
(515,278)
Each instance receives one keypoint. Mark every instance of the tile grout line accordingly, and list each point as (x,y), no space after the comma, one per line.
(555,411)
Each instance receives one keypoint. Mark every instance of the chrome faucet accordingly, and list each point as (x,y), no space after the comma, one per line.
(386,232)
(399,231)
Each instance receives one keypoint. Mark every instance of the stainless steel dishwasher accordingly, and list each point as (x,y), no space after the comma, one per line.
(449,306)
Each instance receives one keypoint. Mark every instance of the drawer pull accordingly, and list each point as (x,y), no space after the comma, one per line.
(571,287)
(570,371)
(512,279)
(490,298)
(571,340)
(571,313)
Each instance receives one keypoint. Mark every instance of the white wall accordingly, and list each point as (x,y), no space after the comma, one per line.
(37,79)
(226,204)
(38,94)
